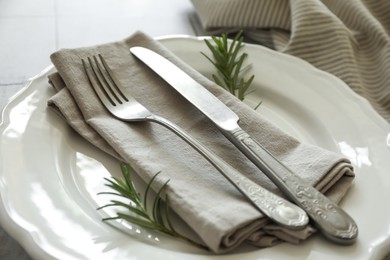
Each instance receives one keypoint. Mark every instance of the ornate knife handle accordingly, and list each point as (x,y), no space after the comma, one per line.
(330,219)
(275,207)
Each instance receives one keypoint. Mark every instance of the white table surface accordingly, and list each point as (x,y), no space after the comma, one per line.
(30,30)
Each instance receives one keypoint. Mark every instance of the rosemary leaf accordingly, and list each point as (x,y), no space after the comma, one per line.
(148,189)
(157,213)
(136,210)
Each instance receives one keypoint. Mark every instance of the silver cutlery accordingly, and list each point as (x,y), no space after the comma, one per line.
(123,106)
(330,219)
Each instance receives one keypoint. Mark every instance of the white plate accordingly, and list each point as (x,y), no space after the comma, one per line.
(50,177)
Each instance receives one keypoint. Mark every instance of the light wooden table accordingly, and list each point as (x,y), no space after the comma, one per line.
(30,30)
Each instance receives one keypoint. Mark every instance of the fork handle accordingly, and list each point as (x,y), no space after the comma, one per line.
(276,208)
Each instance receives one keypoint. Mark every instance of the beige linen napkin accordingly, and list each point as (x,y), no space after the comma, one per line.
(349,39)
(207,202)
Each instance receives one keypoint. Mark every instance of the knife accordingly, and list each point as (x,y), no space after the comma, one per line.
(335,224)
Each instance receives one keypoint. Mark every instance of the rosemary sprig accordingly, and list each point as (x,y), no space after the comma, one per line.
(137,208)
(229,61)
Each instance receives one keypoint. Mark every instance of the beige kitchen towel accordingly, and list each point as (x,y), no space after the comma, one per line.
(349,39)
(198,193)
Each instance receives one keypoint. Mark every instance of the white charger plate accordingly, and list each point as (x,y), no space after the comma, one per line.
(50,177)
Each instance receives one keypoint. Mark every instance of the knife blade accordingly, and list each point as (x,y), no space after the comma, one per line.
(334,223)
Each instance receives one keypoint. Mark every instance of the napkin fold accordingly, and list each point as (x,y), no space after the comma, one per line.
(198,193)
(349,39)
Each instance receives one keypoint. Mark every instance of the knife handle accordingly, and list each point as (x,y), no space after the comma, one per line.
(278,209)
(330,219)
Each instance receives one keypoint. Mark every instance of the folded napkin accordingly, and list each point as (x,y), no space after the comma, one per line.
(198,193)
(349,39)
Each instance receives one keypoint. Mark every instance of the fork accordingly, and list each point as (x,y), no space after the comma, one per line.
(123,106)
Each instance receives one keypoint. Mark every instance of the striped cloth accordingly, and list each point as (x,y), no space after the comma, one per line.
(349,39)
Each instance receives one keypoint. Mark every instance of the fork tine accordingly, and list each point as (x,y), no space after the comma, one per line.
(111,79)
(106,81)
(105,85)
(96,83)
(103,81)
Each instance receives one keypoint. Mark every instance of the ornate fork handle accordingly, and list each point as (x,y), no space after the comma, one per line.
(276,208)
